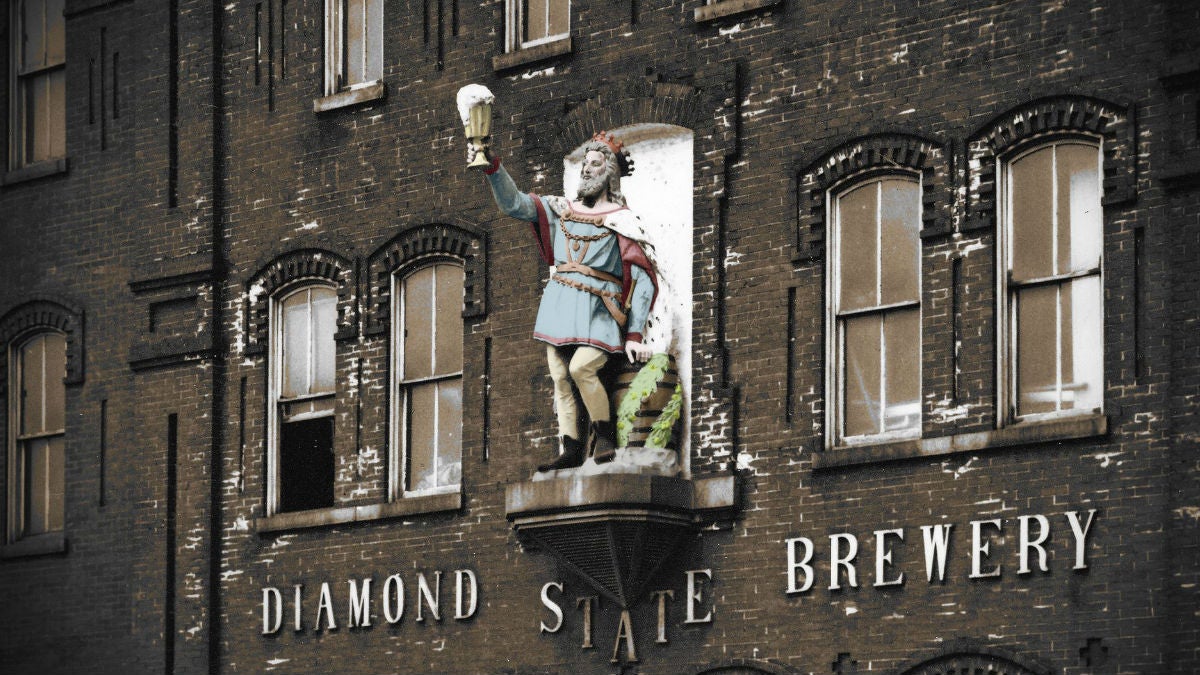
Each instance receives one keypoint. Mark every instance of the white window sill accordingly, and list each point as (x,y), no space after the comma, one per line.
(1025,433)
(39,544)
(374,91)
(528,55)
(725,8)
(341,515)
(49,167)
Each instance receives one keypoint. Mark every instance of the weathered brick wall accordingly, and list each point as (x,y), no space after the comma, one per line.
(84,237)
(768,94)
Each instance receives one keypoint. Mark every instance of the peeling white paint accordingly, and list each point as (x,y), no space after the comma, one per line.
(1106,458)
(960,471)
(311,225)
(1192,512)
(744,460)
(242,524)
(229,574)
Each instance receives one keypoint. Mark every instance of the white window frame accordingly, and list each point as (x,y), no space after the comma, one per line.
(514,21)
(275,387)
(18,121)
(17,524)
(398,483)
(835,357)
(337,58)
(1007,361)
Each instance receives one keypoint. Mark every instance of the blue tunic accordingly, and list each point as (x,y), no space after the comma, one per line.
(569,315)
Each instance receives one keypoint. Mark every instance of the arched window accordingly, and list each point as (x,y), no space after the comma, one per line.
(1051,230)
(427,379)
(875,309)
(37,421)
(303,323)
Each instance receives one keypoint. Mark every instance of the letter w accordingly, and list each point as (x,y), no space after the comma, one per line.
(936,546)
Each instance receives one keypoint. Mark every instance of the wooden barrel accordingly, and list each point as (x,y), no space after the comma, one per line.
(642,397)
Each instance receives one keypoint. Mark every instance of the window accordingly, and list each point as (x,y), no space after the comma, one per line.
(428,334)
(534,22)
(353,44)
(36,426)
(875,308)
(303,391)
(1051,282)
(38,76)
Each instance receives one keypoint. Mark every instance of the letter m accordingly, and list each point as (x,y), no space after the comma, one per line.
(360,604)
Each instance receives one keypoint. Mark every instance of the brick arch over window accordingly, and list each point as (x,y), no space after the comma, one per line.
(636,100)
(1043,119)
(41,314)
(966,656)
(414,244)
(288,268)
(746,667)
(877,152)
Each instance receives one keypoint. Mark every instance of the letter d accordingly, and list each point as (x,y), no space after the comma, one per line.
(272,606)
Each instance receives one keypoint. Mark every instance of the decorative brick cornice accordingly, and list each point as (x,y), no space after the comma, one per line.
(418,244)
(286,270)
(897,152)
(44,313)
(1043,120)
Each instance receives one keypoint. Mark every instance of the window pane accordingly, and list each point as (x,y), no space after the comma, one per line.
(55,480)
(449,318)
(37,116)
(355,44)
(422,436)
(417,299)
(373,69)
(33,386)
(1082,358)
(56,372)
(36,484)
(324,313)
(535,19)
(296,342)
(902,368)
(1032,214)
(55,32)
(900,226)
(1079,213)
(1037,354)
(449,444)
(33,51)
(858,247)
(55,129)
(862,376)
(559,21)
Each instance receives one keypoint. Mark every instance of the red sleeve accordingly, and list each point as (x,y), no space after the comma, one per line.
(541,231)
(631,255)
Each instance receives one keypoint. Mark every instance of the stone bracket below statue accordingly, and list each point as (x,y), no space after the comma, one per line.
(617,530)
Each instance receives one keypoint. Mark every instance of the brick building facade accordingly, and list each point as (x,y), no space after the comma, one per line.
(228,164)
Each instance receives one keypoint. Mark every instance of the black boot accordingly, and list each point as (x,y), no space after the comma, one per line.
(571,457)
(604,441)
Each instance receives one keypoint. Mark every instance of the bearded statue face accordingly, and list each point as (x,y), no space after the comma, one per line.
(593,176)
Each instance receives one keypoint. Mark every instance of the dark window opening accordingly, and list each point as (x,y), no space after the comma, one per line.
(306,464)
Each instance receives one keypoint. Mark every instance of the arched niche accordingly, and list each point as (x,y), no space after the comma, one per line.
(659,191)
